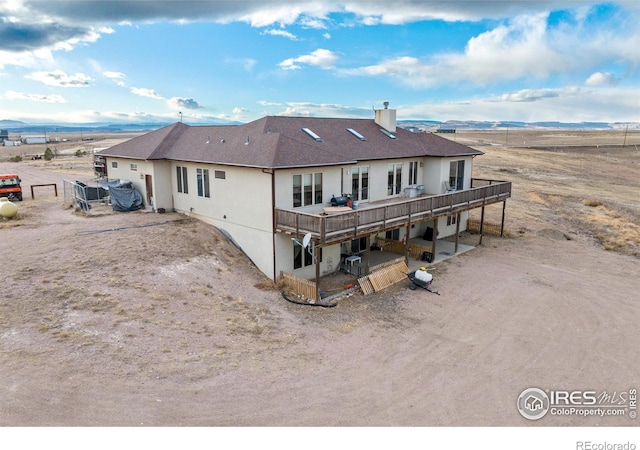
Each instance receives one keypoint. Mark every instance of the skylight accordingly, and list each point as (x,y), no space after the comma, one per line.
(356,134)
(313,136)
(387,133)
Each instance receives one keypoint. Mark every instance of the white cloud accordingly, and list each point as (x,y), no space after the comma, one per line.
(266,103)
(180,103)
(280,32)
(144,92)
(569,104)
(286,13)
(526,47)
(50,98)
(529,95)
(58,78)
(117,77)
(114,75)
(325,59)
(309,109)
(601,79)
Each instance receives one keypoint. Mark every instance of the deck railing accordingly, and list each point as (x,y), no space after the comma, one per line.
(372,218)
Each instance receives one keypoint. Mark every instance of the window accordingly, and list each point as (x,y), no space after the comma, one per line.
(394,182)
(114,164)
(360,183)
(452,219)
(456,175)
(134,167)
(358,245)
(203,183)
(413,172)
(317,189)
(302,257)
(393,234)
(220,174)
(183,185)
(307,189)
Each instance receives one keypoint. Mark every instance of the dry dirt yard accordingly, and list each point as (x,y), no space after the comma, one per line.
(144,319)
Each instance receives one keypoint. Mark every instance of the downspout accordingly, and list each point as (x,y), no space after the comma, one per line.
(273,220)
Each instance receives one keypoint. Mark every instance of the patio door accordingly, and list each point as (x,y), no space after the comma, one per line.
(360,183)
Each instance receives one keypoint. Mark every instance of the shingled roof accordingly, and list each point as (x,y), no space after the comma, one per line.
(277,142)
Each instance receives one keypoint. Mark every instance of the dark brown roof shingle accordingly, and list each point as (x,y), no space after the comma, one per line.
(280,142)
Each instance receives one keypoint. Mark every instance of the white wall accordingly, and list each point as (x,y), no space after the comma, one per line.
(240,205)
(125,172)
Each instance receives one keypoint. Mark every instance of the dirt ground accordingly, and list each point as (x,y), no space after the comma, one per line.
(144,319)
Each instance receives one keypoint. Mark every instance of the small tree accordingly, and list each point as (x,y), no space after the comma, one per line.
(48,154)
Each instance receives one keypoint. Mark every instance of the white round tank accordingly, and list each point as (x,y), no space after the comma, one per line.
(7,209)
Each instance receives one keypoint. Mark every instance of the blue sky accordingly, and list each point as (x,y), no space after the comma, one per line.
(147,61)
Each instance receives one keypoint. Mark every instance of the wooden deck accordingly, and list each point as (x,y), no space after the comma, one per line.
(375,217)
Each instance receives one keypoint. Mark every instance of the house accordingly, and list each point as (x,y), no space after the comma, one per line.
(533,403)
(268,184)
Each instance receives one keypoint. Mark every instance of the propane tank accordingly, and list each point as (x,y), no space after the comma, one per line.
(7,209)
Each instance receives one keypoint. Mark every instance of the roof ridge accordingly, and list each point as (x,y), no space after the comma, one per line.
(165,145)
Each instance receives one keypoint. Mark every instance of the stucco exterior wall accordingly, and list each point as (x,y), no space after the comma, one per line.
(239,204)
(133,170)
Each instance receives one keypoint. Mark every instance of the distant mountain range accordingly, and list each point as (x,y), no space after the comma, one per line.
(15,126)
(431,125)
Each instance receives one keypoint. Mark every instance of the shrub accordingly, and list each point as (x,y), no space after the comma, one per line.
(16,158)
(48,154)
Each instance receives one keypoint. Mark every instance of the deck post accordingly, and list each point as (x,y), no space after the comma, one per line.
(504,206)
(457,232)
(435,239)
(481,225)
(407,248)
(366,255)
(315,260)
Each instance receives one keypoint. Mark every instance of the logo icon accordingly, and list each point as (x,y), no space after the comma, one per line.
(533,403)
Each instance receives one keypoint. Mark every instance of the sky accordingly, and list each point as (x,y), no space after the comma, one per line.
(210,61)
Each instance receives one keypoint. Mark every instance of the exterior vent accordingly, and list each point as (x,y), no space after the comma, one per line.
(311,134)
(356,134)
(387,133)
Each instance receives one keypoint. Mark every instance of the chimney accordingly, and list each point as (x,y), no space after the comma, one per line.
(386,118)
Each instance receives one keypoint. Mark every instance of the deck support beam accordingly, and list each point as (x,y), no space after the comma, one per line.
(366,255)
(481,225)
(457,232)
(504,206)
(317,263)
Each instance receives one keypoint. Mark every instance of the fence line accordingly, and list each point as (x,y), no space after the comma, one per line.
(302,286)
(489,228)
